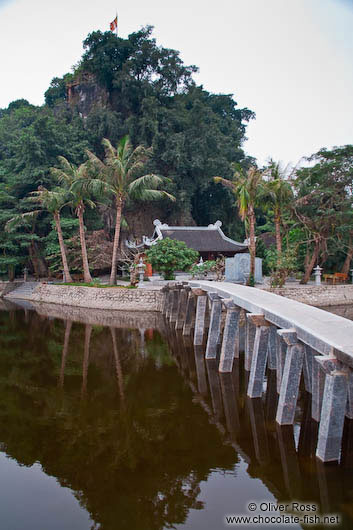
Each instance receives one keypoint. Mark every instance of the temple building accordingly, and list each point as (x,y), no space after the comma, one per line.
(209,240)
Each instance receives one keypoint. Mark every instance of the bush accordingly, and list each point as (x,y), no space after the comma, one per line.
(203,268)
(215,266)
(170,255)
(282,265)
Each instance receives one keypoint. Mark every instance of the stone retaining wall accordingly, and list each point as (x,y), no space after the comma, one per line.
(317,295)
(99,298)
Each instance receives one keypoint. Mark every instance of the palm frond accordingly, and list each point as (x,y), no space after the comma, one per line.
(95,162)
(225,182)
(153,195)
(66,166)
(110,151)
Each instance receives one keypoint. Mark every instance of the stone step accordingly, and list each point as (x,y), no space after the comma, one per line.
(23,291)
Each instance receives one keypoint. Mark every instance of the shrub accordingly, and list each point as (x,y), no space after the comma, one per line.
(282,265)
(170,255)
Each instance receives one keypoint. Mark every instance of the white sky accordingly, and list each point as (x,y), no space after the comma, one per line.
(290,61)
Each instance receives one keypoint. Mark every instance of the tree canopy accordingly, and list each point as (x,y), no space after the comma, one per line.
(120,87)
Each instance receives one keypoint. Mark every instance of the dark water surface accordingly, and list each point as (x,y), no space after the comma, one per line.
(117,423)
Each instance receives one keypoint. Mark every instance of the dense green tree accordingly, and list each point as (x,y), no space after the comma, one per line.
(323,204)
(195,135)
(31,138)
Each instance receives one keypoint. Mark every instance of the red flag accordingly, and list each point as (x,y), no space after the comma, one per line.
(114,24)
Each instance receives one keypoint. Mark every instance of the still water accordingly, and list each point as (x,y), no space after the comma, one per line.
(114,422)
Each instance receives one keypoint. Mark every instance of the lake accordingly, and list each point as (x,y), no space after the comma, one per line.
(116,422)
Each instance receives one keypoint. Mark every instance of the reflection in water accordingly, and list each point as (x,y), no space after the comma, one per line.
(159,437)
(119,372)
(68,326)
(88,332)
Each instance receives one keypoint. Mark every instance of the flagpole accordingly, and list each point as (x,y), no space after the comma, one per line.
(116,23)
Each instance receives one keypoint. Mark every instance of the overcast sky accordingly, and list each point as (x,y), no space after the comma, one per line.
(290,61)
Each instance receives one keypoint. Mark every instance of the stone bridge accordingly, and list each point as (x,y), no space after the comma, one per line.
(282,335)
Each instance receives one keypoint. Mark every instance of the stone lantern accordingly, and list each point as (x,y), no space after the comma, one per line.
(25,274)
(317,272)
(141,272)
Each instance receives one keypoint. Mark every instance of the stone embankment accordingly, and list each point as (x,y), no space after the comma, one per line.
(317,295)
(151,299)
(96,298)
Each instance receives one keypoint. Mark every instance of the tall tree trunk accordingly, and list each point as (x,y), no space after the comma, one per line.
(347,262)
(311,264)
(307,256)
(278,233)
(39,265)
(252,242)
(86,274)
(67,275)
(119,209)
(68,327)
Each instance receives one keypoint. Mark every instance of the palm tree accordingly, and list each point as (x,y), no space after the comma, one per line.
(53,201)
(247,188)
(117,176)
(70,175)
(278,192)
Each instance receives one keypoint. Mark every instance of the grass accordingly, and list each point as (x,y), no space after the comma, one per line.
(96,284)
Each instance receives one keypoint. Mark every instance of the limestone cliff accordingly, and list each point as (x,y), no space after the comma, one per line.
(85,94)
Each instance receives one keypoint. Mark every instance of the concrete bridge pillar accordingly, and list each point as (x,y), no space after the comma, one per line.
(189,314)
(230,343)
(333,410)
(181,313)
(291,377)
(318,383)
(165,290)
(308,368)
(272,342)
(259,356)
(250,330)
(215,326)
(349,411)
(175,303)
(281,350)
(169,303)
(200,316)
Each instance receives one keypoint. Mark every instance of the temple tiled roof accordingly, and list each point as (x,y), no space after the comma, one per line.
(202,238)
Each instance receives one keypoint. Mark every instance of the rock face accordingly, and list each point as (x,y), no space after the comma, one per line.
(86,94)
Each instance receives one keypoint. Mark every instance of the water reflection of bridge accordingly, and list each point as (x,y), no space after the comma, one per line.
(283,457)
